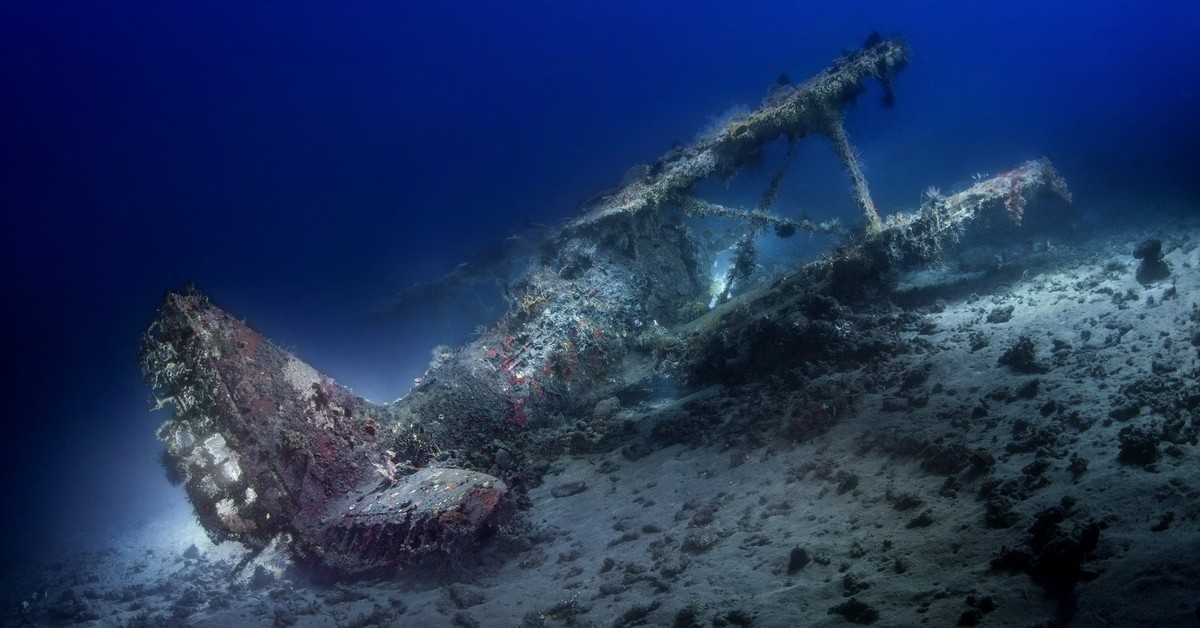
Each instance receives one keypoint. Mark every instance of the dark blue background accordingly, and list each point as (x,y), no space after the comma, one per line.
(301,162)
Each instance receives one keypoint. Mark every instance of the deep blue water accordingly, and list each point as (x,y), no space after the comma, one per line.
(302,162)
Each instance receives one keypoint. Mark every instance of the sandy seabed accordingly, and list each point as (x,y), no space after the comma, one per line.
(1030,459)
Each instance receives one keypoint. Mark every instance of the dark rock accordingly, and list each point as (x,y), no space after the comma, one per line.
(807,423)
(797,560)
(1029,389)
(284,617)
(1152,268)
(906,502)
(950,459)
(923,520)
(261,578)
(465,596)
(1160,367)
(1139,445)
(1021,357)
(73,608)
(342,594)
(1164,522)
(627,537)
(1030,436)
(1079,465)
(914,377)
(985,603)
(687,617)
(1001,394)
(855,612)
(998,512)
(1036,468)
(563,612)
(636,615)
(970,617)
(847,483)
(636,451)
(673,567)
(1000,314)
(1058,565)
(606,408)
(568,489)
(982,461)
(503,459)
(736,617)
(821,306)
(1056,556)
(703,516)
(949,488)
(1125,411)
(852,585)
(1011,560)
(978,340)
(700,539)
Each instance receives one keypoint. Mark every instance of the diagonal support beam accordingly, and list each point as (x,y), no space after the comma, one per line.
(790,111)
(849,156)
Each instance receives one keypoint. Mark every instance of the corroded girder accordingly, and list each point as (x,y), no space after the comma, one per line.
(921,236)
(815,105)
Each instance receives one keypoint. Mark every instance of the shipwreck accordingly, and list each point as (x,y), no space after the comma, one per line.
(614,302)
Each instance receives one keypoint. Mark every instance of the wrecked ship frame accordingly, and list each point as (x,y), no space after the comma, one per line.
(268,448)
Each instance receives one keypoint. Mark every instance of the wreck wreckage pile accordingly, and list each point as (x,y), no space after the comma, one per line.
(616,302)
